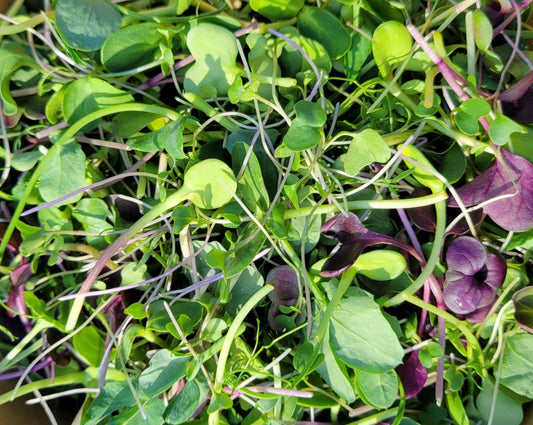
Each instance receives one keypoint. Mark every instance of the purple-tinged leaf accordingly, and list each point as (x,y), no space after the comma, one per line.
(21,274)
(412,374)
(520,109)
(509,175)
(353,238)
(286,293)
(523,308)
(518,89)
(425,219)
(472,278)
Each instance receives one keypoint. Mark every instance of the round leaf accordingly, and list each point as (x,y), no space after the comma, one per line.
(211,183)
(377,389)
(301,136)
(391,43)
(214,66)
(86,24)
(310,113)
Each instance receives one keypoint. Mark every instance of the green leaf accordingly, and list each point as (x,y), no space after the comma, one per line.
(153,409)
(210,183)
(300,136)
(391,44)
(88,94)
(250,186)
(320,25)
(164,370)
(64,174)
(456,408)
(381,264)
(277,10)
(214,68)
(361,337)
(482,30)
(523,308)
(248,283)
(131,47)
(170,138)
(466,116)
(309,113)
(219,401)
(333,371)
(366,147)
(425,175)
(137,311)
(183,406)
(501,128)
(377,389)
(505,409)
(92,214)
(247,246)
(13,57)
(517,369)
(86,24)
(113,395)
(90,345)
(360,50)
(24,161)
(158,318)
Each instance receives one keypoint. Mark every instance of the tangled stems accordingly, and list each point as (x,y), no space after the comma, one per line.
(65,137)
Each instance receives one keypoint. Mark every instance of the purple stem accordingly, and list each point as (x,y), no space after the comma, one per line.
(19,373)
(157,79)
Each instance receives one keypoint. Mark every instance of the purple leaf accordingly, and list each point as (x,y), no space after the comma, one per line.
(353,238)
(509,175)
(425,219)
(472,278)
(518,89)
(412,374)
(286,293)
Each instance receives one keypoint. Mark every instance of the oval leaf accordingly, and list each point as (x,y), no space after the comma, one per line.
(86,24)
(523,308)
(391,43)
(277,9)
(131,47)
(361,336)
(377,389)
(322,26)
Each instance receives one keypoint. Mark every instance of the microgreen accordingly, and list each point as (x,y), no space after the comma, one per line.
(268,212)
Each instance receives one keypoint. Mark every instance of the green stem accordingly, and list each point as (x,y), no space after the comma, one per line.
(459,324)
(66,136)
(75,378)
(434,256)
(379,204)
(214,417)
(325,320)
(11,357)
(170,202)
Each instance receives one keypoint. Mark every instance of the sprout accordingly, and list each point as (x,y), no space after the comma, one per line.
(286,293)
(472,279)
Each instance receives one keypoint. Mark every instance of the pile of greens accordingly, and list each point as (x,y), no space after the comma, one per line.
(268,211)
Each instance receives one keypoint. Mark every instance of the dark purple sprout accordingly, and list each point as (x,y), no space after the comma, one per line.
(472,279)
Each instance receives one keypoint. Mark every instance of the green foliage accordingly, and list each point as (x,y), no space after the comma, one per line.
(158,161)
(85,25)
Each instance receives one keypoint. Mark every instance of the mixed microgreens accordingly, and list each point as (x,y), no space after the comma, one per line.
(176,175)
